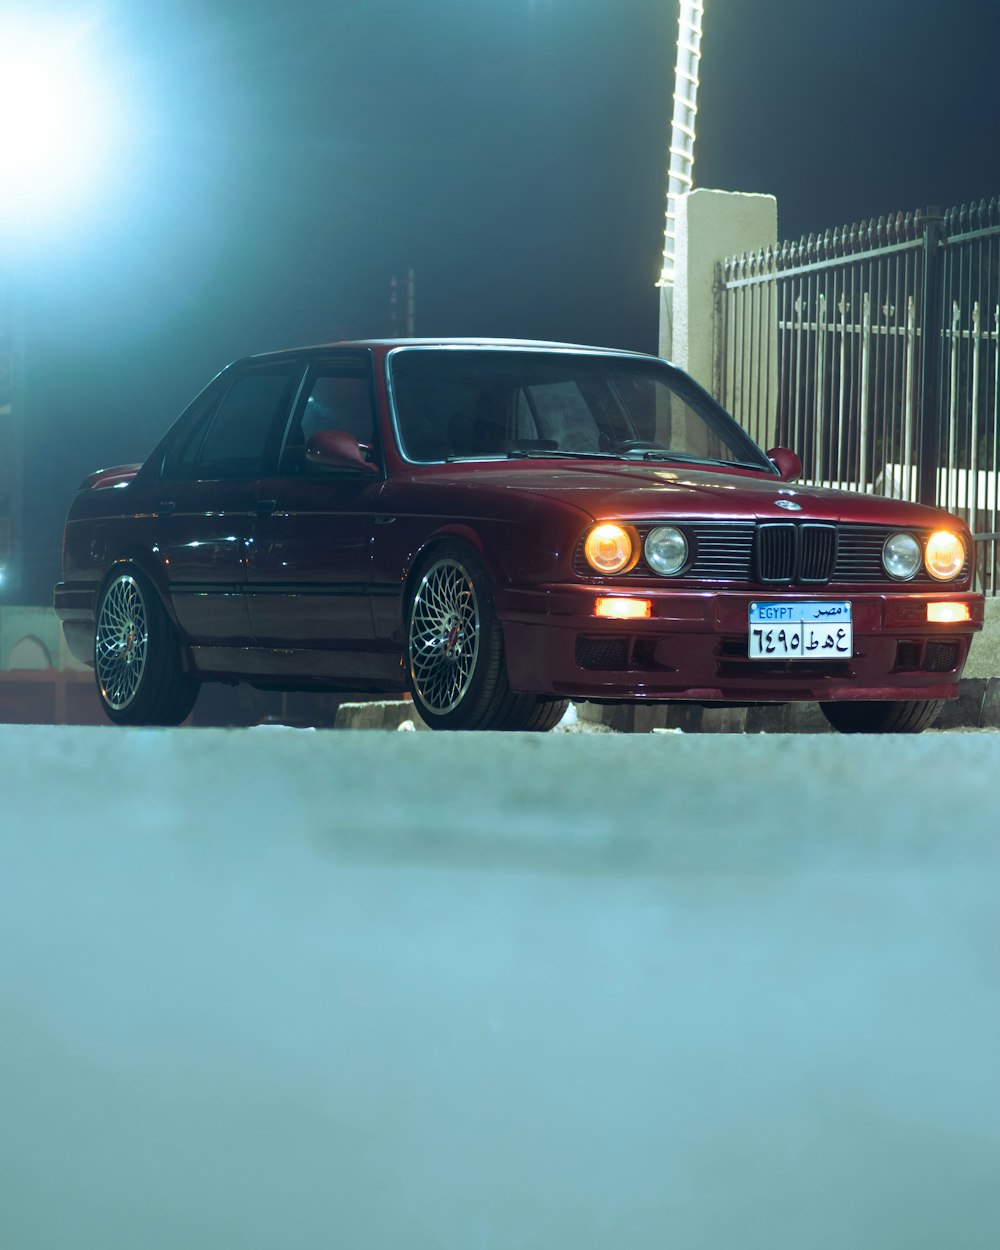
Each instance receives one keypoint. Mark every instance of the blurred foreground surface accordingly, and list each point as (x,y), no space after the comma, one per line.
(269,987)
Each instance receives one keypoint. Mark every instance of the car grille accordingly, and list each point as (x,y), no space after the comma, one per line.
(775,553)
(786,553)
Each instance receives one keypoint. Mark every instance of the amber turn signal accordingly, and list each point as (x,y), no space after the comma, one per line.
(948,613)
(619,609)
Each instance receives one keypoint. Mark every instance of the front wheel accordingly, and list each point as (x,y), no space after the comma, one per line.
(455,656)
(891,717)
(137,660)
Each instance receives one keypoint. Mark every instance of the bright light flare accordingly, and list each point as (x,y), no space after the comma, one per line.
(57,119)
(948,613)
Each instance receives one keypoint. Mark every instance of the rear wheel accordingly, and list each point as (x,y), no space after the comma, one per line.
(137,659)
(455,657)
(891,717)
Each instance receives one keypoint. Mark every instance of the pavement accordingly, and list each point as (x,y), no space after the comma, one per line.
(275,987)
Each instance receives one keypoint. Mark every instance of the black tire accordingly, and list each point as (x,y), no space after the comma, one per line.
(137,659)
(891,717)
(454,651)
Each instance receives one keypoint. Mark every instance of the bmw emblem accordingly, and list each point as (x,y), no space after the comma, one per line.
(790,504)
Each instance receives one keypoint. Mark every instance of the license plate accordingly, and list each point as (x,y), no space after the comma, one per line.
(801,631)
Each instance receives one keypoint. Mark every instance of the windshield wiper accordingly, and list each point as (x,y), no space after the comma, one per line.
(630,457)
(547,453)
(683,457)
(475,455)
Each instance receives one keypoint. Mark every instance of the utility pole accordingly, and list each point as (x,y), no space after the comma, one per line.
(411,303)
(393,308)
(681,163)
(410,308)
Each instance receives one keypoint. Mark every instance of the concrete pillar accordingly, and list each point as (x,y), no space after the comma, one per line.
(711,225)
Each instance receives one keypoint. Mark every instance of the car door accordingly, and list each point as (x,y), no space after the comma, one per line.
(310,565)
(207,496)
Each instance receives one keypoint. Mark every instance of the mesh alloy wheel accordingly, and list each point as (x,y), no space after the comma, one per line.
(122,642)
(444,636)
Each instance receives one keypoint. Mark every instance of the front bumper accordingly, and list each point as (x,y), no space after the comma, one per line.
(694,647)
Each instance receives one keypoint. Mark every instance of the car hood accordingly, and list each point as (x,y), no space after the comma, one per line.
(646,491)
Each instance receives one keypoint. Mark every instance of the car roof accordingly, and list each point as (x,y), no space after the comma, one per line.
(384,345)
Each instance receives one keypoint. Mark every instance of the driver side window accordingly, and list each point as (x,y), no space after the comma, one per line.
(336,398)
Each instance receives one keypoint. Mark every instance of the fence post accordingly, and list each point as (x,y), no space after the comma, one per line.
(929,457)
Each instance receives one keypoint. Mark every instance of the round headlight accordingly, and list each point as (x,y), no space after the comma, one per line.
(944,555)
(901,556)
(666,550)
(609,548)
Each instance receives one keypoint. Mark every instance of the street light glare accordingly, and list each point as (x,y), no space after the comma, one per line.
(56,121)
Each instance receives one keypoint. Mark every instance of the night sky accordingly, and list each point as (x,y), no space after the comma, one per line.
(277,163)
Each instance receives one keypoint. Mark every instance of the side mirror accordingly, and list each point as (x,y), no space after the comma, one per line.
(336,449)
(786,462)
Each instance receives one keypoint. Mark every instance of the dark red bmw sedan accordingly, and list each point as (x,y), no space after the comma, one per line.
(499,527)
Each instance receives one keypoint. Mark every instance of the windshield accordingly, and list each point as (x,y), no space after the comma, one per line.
(458,403)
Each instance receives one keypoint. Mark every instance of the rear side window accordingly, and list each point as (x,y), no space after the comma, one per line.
(188,434)
(234,442)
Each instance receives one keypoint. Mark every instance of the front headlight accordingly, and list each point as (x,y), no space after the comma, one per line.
(666,550)
(944,555)
(901,556)
(611,548)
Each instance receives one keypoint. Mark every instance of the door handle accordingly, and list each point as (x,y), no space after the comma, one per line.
(265,505)
(166,505)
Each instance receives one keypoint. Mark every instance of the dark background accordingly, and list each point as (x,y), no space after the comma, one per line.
(277,163)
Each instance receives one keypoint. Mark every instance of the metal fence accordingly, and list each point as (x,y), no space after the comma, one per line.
(874,352)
